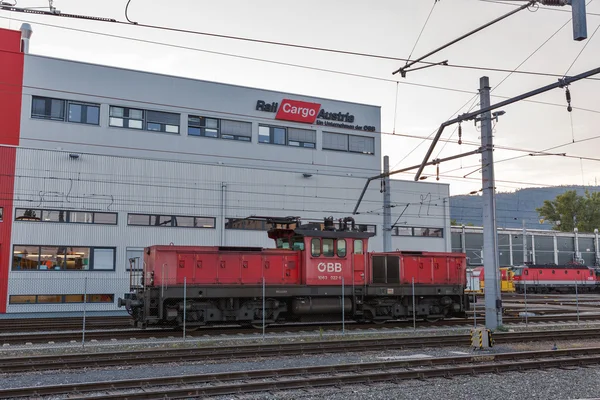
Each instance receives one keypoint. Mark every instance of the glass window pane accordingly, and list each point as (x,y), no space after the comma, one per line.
(100,298)
(75,112)
(358,247)
(93,115)
(341,248)
(263,134)
(38,107)
(49,298)
(25,257)
(117,112)
(54,216)
(136,114)
(193,121)
(211,133)
(172,128)
(22,299)
(211,123)
(78,258)
(243,138)
(152,126)
(73,298)
(164,220)
(328,247)
(115,121)
(81,217)
(292,143)
(22,214)
(205,222)
(58,109)
(135,124)
(105,218)
(309,145)
(186,222)
(229,137)
(104,259)
(193,131)
(135,258)
(279,135)
(403,231)
(52,258)
(138,219)
(315,247)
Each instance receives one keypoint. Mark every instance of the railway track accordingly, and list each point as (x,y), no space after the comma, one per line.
(212,384)
(26,363)
(132,334)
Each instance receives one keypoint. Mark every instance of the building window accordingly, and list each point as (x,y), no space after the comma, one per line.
(367,228)
(65,110)
(170,221)
(60,298)
(134,258)
(272,134)
(402,231)
(351,143)
(215,128)
(418,232)
(63,258)
(133,118)
(302,138)
(68,216)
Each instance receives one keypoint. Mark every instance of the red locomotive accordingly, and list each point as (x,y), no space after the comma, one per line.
(314,269)
(556,278)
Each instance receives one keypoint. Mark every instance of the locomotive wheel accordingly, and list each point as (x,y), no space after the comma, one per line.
(432,319)
(378,321)
(259,326)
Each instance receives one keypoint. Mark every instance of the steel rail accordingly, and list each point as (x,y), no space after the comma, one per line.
(156,386)
(25,363)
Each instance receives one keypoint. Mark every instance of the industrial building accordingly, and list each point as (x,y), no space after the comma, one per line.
(99,162)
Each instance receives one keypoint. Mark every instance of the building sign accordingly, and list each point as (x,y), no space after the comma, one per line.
(310,113)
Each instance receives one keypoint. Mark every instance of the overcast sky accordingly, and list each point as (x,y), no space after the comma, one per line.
(382,27)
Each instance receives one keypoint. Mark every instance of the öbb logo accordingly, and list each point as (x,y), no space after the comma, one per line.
(329,267)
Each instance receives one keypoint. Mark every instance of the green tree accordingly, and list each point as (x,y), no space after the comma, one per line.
(569,211)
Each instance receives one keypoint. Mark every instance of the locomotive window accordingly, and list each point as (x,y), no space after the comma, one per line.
(341,247)
(328,249)
(315,247)
(358,247)
(553,271)
(527,272)
(566,272)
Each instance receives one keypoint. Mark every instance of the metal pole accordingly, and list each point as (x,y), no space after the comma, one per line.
(343,311)
(84,307)
(524,244)
(184,304)
(493,301)
(474,300)
(263,306)
(525,284)
(414,305)
(577,301)
(387,207)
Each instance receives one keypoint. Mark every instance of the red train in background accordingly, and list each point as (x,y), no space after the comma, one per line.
(555,278)
(314,271)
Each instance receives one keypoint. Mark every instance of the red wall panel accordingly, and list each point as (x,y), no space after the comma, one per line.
(11,91)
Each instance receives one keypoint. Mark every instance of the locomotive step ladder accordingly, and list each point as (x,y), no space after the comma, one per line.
(357,303)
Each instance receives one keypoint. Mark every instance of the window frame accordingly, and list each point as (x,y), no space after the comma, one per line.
(91,257)
(312,247)
(126,118)
(347,139)
(63,298)
(66,106)
(272,136)
(173,218)
(67,218)
(337,248)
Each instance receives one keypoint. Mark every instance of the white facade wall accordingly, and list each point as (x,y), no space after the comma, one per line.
(129,171)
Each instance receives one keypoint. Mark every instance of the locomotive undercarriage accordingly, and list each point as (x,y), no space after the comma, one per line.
(210,306)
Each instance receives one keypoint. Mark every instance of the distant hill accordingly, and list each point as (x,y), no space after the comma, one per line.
(511,208)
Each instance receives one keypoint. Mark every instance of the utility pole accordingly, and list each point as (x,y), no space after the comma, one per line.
(493,301)
(387,206)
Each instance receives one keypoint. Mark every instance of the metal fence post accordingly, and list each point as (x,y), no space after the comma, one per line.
(577,301)
(184,304)
(263,307)
(343,308)
(84,309)
(414,305)
(525,288)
